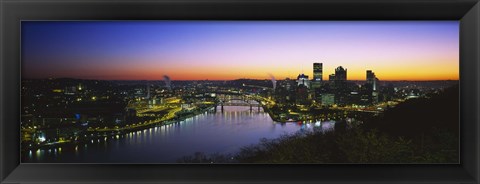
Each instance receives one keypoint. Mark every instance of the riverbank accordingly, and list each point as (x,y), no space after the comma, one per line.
(208,132)
(423,130)
(94,135)
(316,115)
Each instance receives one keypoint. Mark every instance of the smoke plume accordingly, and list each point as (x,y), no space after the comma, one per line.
(274,81)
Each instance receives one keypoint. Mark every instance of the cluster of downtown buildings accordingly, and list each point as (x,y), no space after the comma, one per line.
(336,91)
(55,110)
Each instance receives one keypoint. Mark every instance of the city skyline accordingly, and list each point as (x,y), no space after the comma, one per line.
(228,50)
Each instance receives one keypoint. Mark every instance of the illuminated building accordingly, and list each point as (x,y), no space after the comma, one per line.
(70,90)
(375,97)
(302,79)
(317,71)
(317,75)
(340,85)
(372,80)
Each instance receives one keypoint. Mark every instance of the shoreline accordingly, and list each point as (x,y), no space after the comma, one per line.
(97,134)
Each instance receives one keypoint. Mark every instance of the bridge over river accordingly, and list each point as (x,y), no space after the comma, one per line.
(238,100)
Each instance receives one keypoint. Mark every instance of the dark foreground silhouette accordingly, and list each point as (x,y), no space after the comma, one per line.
(423,130)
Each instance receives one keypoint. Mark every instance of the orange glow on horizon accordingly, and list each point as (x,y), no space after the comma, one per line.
(227,50)
(385,74)
(386,71)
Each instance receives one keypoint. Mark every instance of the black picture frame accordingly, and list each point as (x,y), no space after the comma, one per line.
(13,11)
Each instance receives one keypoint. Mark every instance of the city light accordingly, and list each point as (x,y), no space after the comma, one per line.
(41,139)
(245,81)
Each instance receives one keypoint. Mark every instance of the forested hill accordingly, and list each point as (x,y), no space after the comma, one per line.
(422,116)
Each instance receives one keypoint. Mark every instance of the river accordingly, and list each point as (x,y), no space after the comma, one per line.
(211,132)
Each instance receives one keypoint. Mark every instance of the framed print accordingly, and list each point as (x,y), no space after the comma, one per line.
(207,91)
(170,91)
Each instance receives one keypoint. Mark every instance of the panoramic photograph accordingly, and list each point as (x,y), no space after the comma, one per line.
(232,92)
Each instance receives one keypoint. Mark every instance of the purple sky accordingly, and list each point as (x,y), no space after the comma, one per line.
(219,50)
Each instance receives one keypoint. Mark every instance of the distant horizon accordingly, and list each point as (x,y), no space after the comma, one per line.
(230,50)
(225,80)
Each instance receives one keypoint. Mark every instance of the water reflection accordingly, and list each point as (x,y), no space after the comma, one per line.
(214,132)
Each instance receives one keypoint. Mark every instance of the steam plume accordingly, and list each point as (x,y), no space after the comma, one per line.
(274,81)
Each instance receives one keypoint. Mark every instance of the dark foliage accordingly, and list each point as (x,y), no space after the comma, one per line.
(200,157)
(416,131)
(416,117)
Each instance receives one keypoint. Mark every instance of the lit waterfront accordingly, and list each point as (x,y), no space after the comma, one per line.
(208,133)
(210,92)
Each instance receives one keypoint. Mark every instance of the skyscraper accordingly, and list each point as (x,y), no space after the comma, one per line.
(372,79)
(317,75)
(340,74)
(317,71)
(370,75)
(340,84)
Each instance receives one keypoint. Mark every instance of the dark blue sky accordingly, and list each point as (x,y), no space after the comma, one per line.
(230,49)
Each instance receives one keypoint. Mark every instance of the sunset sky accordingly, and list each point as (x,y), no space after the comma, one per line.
(225,50)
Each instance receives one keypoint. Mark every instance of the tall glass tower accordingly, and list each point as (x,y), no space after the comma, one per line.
(372,79)
(317,72)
